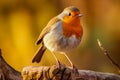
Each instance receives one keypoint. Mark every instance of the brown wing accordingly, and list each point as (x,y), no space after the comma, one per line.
(47,29)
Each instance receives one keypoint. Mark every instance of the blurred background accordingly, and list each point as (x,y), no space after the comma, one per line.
(21,22)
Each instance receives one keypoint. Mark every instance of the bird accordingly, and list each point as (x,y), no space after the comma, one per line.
(62,34)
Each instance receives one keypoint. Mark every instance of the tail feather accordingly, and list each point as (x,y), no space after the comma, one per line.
(39,54)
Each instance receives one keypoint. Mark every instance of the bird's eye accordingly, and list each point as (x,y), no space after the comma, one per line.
(69,14)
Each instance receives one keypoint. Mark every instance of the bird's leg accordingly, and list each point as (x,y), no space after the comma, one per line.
(72,65)
(74,72)
(58,62)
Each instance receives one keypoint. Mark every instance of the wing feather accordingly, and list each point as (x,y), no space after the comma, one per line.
(47,29)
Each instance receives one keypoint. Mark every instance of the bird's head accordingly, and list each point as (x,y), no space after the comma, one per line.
(70,14)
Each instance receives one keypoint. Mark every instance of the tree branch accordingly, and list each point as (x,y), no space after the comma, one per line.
(7,72)
(51,73)
(63,73)
(108,56)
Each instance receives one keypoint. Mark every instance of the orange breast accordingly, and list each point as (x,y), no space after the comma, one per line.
(72,28)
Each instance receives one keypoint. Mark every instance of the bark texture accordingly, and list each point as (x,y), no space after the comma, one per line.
(64,73)
(7,72)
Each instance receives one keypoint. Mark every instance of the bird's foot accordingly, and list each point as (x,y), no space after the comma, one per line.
(58,64)
(74,73)
(74,69)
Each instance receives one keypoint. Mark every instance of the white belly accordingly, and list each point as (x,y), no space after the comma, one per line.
(55,41)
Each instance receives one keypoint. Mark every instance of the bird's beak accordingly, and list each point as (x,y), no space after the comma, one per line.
(80,15)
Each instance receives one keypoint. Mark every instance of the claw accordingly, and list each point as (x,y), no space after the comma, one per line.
(58,64)
(75,73)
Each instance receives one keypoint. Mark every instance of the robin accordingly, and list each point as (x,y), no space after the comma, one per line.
(62,34)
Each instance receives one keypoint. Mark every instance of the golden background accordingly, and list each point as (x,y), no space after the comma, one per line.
(21,22)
